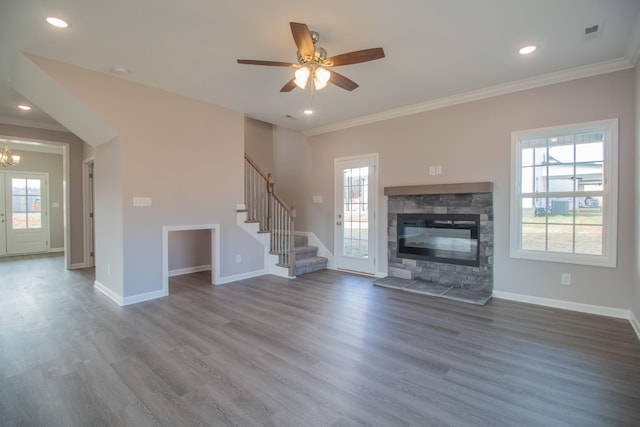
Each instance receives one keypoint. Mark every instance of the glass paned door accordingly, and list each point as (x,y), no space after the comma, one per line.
(3,218)
(25,199)
(355,245)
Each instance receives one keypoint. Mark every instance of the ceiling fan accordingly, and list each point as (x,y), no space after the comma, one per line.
(313,62)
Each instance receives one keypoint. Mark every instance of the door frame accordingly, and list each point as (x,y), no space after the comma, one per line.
(45,208)
(88,196)
(373,204)
(65,191)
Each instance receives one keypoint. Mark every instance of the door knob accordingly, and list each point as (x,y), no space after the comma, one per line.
(338,223)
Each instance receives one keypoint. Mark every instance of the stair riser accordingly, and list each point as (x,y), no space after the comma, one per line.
(300,240)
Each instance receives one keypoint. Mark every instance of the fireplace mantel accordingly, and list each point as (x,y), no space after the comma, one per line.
(461,188)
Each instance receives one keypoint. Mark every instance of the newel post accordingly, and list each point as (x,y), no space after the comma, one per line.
(292,253)
(270,188)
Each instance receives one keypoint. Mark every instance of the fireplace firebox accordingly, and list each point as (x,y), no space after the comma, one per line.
(446,238)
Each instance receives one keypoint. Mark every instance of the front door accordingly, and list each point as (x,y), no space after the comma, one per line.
(3,218)
(25,212)
(355,190)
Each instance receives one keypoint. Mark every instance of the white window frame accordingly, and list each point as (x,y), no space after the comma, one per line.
(610,193)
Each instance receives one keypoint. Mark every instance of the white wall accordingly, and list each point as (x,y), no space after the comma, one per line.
(472,143)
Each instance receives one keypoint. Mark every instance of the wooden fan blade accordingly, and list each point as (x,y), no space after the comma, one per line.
(357,57)
(342,81)
(302,37)
(270,63)
(289,86)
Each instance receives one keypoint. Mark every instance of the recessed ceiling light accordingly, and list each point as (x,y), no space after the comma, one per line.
(24,107)
(308,111)
(57,22)
(527,50)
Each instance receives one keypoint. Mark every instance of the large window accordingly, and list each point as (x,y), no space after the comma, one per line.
(564,193)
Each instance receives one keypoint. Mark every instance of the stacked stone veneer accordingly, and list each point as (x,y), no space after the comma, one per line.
(462,276)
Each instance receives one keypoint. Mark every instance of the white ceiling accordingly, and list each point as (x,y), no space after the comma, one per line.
(438,52)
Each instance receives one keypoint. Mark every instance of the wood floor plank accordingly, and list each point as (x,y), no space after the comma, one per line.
(326,349)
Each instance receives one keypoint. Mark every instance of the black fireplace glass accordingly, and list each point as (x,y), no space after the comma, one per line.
(448,238)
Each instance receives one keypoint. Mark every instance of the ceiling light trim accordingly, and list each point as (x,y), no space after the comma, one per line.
(56,22)
(476,95)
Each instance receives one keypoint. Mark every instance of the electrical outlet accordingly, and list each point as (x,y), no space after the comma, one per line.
(565,279)
(432,170)
(238,258)
(438,170)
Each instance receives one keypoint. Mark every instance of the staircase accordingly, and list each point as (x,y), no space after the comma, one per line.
(306,257)
(271,221)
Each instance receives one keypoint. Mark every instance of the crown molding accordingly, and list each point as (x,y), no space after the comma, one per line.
(38,147)
(633,45)
(32,124)
(489,92)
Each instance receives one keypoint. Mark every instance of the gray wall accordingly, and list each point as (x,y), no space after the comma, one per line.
(186,155)
(258,143)
(76,147)
(189,248)
(472,143)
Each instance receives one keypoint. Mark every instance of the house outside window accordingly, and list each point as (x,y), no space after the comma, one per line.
(564,193)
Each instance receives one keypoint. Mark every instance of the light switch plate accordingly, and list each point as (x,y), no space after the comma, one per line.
(142,201)
(317,199)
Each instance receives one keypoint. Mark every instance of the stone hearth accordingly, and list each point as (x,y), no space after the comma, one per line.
(459,282)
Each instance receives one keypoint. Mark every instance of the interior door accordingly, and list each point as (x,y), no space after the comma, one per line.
(3,218)
(25,204)
(355,189)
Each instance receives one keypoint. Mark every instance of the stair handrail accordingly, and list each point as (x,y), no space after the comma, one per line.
(270,211)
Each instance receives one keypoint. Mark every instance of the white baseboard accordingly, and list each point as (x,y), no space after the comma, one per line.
(147,296)
(189,270)
(236,277)
(634,323)
(108,292)
(134,299)
(566,305)
(77,265)
(56,249)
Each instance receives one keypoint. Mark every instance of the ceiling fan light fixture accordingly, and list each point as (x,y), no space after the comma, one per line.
(321,78)
(302,75)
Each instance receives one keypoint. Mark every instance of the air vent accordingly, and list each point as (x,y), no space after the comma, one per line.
(591,32)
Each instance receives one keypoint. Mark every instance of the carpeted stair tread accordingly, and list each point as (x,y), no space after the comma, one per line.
(305,252)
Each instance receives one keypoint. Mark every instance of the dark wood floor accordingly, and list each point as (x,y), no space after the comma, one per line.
(326,349)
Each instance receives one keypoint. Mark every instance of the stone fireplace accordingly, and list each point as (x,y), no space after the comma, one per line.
(440,240)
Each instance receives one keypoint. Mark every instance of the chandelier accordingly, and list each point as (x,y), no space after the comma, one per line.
(7,158)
